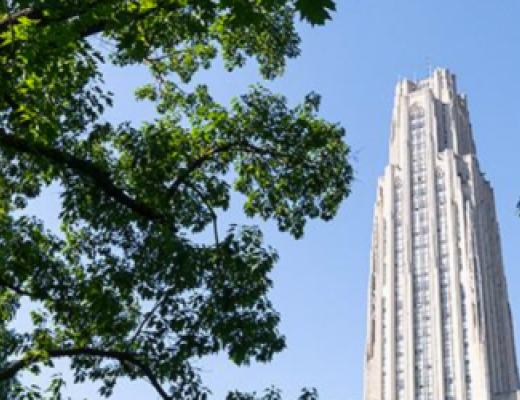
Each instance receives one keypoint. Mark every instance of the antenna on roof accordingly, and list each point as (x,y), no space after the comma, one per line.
(429,64)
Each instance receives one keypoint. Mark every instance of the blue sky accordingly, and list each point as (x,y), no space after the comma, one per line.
(354,62)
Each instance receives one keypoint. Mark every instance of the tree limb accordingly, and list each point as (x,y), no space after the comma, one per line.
(19,291)
(199,162)
(123,357)
(160,302)
(196,164)
(211,210)
(77,12)
(37,14)
(85,168)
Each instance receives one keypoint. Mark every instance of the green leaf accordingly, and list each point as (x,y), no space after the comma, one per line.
(317,12)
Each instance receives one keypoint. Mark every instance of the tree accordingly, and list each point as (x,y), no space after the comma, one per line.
(7,387)
(127,288)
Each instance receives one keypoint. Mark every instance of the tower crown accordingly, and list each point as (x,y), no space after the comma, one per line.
(446,123)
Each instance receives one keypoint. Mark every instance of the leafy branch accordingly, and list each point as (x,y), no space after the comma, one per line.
(85,168)
(125,357)
(198,163)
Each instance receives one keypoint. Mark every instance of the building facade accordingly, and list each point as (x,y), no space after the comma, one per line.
(439,320)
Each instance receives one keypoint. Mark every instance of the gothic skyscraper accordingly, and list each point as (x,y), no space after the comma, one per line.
(439,321)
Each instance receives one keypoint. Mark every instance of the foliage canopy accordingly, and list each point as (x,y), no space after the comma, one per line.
(126,289)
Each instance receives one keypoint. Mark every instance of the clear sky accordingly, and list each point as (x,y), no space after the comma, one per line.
(354,62)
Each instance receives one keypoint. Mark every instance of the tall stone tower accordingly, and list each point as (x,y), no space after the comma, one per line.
(439,321)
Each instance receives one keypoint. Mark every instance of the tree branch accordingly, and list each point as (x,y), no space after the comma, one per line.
(123,357)
(146,319)
(19,291)
(85,168)
(76,12)
(198,163)
(37,14)
(211,210)
(156,306)
(13,18)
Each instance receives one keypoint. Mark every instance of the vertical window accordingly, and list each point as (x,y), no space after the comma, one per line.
(445,281)
(420,267)
(398,281)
